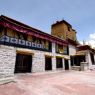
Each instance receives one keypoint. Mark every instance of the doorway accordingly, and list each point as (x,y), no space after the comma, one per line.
(23,63)
(66,64)
(59,63)
(48,63)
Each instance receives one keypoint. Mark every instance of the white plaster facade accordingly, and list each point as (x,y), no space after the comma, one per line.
(88,60)
(8,59)
(38,58)
(7,62)
(72,49)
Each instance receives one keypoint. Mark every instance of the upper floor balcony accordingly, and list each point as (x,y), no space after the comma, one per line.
(62,49)
(11,41)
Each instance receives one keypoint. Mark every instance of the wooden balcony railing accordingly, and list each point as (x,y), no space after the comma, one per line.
(22,43)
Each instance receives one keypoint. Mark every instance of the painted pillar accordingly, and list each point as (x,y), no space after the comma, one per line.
(53,63)
(63,63)
(53,48)
(54,57)
(88,59)
(38,62)
(69,62)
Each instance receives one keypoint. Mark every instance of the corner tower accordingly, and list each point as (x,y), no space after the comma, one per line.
(63,30)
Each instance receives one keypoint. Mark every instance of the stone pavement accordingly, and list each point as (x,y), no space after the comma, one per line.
(51,83)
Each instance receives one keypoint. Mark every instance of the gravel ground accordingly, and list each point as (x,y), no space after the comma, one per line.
(51,83)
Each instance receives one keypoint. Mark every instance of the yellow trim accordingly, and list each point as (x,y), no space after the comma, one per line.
(81,54)
(24,52)
(59,56)
(48,55)
(66,58)
(78,55)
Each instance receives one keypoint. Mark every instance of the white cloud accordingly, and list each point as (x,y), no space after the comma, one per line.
(81,42)
(90,41)
(92,36)
(84,42)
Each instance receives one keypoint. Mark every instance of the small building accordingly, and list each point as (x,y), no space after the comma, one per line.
(84,53)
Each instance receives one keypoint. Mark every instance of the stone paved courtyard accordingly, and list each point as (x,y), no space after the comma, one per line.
(51,83)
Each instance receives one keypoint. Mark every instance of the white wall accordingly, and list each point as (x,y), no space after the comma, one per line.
(88,59)
(38,61)
(72,50)
(53,48)
(53,63)
(7,60)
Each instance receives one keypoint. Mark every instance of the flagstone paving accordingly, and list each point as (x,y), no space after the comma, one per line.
(51,83)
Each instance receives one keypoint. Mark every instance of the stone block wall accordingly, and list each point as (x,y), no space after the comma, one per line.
(88,59)
(53,48)
(8,58)
(7,61)
(53,63)
(72,50)
(38,61)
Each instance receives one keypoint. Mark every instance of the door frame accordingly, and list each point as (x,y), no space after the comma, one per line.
(46,62)
(29,66)
(66,63)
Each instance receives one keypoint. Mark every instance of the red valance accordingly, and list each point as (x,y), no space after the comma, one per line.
(32,32)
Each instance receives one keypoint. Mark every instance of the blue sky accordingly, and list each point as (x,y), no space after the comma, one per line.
(42,14)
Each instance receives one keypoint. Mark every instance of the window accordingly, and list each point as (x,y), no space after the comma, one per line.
(68,28)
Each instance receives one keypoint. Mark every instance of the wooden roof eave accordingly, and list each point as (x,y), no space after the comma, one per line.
(28,31)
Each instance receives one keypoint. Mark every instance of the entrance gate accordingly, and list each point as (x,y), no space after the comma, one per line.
(23,63)
(66,64)
(48,63)
(59,63)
